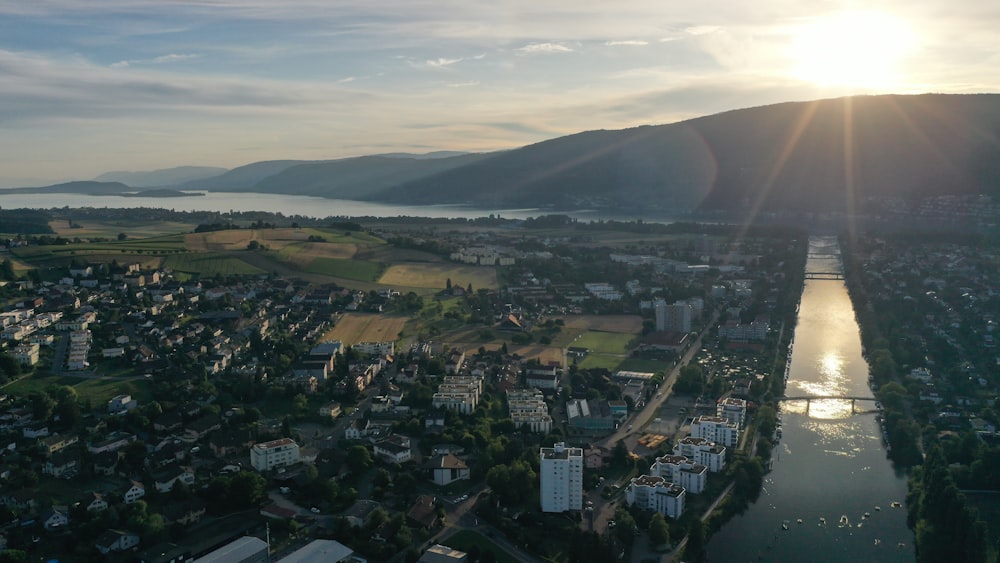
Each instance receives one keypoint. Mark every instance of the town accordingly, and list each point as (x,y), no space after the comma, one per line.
(606,396)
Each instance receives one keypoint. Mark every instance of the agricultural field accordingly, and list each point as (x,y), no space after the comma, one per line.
(352,328)
(132,229)
(435,276)
(210,264)
(358,270)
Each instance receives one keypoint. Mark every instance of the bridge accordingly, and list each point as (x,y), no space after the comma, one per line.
(824,276)
(808,399)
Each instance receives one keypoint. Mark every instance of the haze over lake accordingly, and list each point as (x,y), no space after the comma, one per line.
(288,205)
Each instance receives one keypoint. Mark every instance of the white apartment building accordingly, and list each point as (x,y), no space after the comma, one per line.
(732,409)
(276,453)
(656,493)
(458,393)
(386,348)
(716,429)
(528,408)
(700,450)
(561,474)
(682,471)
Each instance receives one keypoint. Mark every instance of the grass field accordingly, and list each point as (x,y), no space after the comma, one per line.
(347,269)
(352,328)
(435,276)
(605,342)
(651,366)
(97,391)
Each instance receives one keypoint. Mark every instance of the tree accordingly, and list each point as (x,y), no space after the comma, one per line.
(695,548)
(359,459)
(659,531)
(122,236)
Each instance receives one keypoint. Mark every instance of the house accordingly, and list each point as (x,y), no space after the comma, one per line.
(330,410)
(446,469)
(111,443)
(359,512)
(201,428)
(394,449)
(62,464)
(116,540)
(358,429)
(55,518)
(423,513)
(134,492)
(165,482)
(230,442)
(55,443)
(184,513)
(593,458)
(106,463)
(168,421)
(35,430)
(93,502)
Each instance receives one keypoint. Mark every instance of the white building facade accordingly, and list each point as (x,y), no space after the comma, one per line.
(561,474)
(276,453)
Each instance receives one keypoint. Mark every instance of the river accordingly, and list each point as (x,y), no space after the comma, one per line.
(829,462)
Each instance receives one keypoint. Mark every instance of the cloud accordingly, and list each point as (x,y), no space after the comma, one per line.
(533,48)
(174,57)
(627,43)
(441,62)
(464,84)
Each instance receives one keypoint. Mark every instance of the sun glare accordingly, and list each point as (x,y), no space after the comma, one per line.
(854,49)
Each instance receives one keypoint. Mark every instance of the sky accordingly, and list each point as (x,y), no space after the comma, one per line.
(93,86)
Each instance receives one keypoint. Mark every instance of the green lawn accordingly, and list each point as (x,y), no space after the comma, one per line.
(607,361)
(466,539)
(605,342)
(636,364)
(359,270)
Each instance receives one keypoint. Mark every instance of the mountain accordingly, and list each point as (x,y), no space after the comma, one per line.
(826,155)
(242,178)
(357,178)
(163,177)
(88,187)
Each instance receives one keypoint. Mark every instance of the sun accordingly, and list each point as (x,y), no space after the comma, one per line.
(860,49)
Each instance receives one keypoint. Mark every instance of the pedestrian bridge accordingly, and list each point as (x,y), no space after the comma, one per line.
(853,399)
(824,276)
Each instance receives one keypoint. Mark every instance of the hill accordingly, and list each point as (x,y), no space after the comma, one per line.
(79,187)
(826,155)
(163,177)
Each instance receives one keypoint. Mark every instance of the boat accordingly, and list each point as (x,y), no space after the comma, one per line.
(844,521)
(878,508)
(866,515)
(896,504)
(784,525)
(799,521)
(822,520)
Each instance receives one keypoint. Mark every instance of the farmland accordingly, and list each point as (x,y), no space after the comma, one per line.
(351,328)
(210,264)
(436,276)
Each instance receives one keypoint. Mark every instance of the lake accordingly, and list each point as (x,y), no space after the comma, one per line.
(288,205)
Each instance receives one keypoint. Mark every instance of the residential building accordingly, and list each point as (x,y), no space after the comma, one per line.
(446,469)
(121,404)
(322,551)
(394,449)
(276,453)
(672,318)
(561,474)
(330,410)
(716,429)
(732,409)
(682,471)
(116,540)
(650,492)
(528,409)
(134,492)
(705,452)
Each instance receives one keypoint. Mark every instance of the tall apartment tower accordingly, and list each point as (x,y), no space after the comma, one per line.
(561,474)
(675,318)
